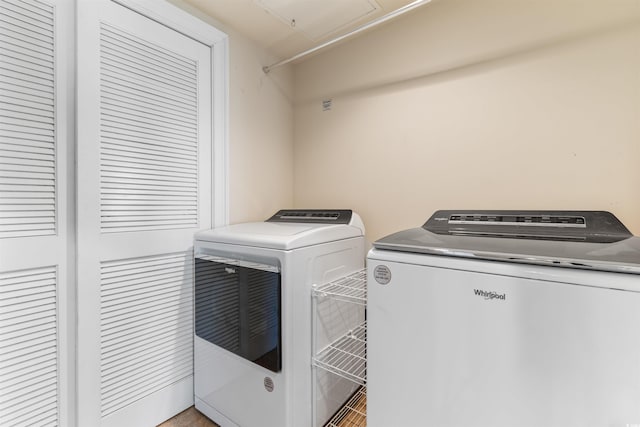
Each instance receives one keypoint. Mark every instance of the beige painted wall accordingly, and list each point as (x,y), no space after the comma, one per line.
(475,104)
(261,135)
(260,129)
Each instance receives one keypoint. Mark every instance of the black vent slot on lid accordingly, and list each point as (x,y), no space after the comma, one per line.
(337,216)
(544,220)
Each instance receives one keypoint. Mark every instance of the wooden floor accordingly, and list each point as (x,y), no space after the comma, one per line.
(189,418)
(353,413)
(355,417)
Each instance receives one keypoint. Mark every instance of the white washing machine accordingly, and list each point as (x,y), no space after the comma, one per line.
(504,318)
(253,319)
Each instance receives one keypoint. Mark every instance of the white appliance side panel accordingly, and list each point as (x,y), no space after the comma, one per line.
(537,353)
(317,265)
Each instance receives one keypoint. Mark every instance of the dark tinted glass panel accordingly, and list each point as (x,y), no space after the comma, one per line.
(238,309)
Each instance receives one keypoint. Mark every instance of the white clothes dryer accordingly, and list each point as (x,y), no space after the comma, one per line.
(253,337)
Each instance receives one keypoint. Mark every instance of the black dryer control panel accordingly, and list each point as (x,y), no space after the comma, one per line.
(316,216)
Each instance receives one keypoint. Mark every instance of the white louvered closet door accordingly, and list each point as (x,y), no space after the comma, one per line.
(35,39)
(144,188)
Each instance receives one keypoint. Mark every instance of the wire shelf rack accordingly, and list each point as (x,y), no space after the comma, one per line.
(351,288)
(346,356)
(353,413)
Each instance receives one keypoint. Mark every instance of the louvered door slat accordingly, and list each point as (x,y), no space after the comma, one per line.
(35,328)
(29,33)
(27,128)
(29,66)
(125,92)
(145,124)
(146,326)
(145,49)
(46,370)
(26,324)
(28,346)
(144,316)
(18,51)
(153,135)
(24,413)
(147,83)
(28,85)
(123,363)
(16,90)
(33,7)
(14,210)
(26,50)
(141,110)
(26,149)
(45,387)
(134,69)
(151,178)
(123,192)
(30,143)
(46,404)
(14,291)
(128,268)
(26,115)
(139,105)
(27,381)
(152,149)
(164,293)
(33,105)
(125,165)
(132,379)
(19,149)
(151,385)
(28,333)
(12,53)
(114,82)
(138,309)
(142,67)
(17,170)
(137,114)
(23,16)
(36,360)
(120,46)
(117,331)
(140,285)
(11,162)
(26,12)
(118,339)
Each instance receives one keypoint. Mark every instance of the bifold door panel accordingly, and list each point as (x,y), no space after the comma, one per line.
(144,144)
(35,44)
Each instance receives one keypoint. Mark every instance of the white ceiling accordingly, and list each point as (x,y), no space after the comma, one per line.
(273,30)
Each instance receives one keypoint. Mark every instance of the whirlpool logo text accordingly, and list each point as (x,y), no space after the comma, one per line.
(490,295)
